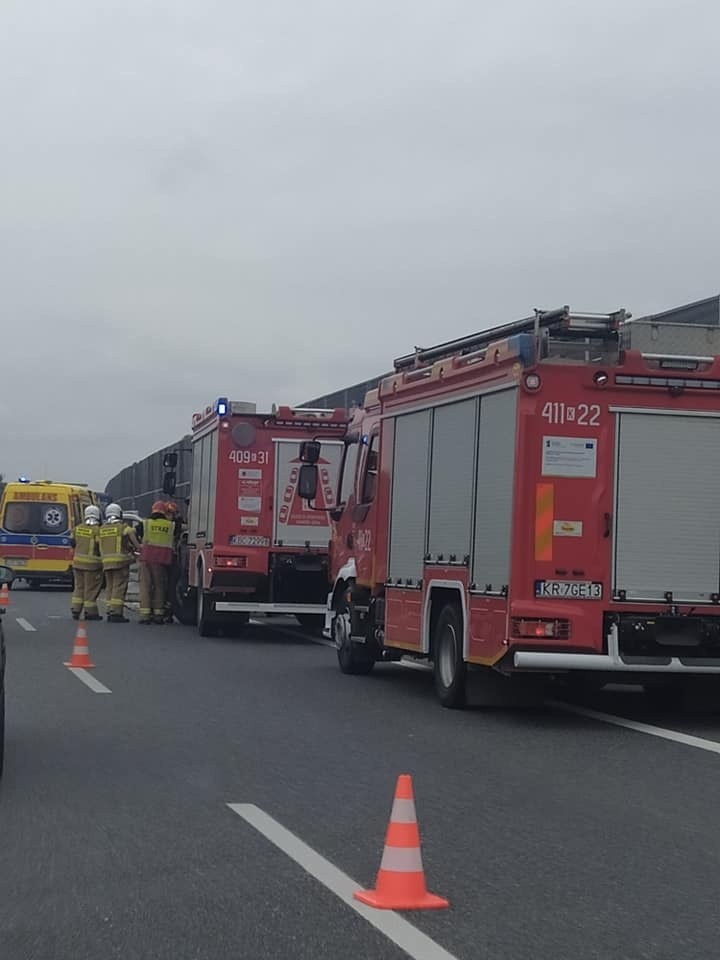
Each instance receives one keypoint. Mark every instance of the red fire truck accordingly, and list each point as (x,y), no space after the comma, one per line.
(252,545)
(540,498)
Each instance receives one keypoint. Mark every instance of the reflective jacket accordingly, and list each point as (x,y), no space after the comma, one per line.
(157,541)
(87,551)
(115,545)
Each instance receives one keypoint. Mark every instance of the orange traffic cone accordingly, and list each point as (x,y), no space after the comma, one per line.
(4,597)
(400,883)
(81,654)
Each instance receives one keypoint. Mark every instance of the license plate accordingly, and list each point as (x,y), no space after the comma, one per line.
(247,540)
(568,590)
(14,561)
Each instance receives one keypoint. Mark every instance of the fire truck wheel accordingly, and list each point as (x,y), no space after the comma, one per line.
(352,658)
(206,627)
(448,664)
(184,605)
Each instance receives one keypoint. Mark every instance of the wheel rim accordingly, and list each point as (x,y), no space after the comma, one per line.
(341,629)
(446,656)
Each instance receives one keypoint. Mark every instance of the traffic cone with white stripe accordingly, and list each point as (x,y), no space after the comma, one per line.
(4,597)
(81,654)
(400,883)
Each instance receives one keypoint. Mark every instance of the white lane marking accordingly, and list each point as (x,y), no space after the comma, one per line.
(26,625)
(89,680)
(416,944)
(685,738)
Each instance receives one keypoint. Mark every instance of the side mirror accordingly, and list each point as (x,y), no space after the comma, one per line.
(7,575)
(307,481)
(169,484)
(310,451)
(170,461)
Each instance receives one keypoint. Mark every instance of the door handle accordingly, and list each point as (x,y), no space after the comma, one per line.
(608,525)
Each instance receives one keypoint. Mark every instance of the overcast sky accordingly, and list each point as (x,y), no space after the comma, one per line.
(271,200)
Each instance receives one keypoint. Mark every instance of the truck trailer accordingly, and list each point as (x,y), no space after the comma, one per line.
(538,500)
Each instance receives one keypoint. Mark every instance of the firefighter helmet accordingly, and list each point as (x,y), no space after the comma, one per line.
(113,512)
(171,507)
(159,507)
(92,514)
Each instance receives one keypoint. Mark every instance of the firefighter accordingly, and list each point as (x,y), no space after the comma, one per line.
(156,557)
(118,547)
(87,566)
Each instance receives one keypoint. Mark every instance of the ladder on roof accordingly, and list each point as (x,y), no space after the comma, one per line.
(564,322)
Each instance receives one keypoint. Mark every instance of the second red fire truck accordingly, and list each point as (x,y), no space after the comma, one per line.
(252,545)
(538,499)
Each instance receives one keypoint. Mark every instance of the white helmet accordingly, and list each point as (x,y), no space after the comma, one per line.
(92,514)
(113,512)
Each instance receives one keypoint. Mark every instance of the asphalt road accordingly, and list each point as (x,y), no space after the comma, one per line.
(552,834)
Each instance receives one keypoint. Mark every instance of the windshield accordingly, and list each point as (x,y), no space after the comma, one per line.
(32,516)
(347,483)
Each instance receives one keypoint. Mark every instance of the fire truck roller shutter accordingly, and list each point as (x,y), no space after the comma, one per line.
(494,488)
(408,520)
(667,517)
(451,488)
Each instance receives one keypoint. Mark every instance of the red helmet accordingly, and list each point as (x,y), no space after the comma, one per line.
(159,507)
(171,507)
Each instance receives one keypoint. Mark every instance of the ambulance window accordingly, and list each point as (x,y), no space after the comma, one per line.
(371,471)
(34,517)
(347,483)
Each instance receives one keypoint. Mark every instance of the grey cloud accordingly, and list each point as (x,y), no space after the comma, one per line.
(272,200)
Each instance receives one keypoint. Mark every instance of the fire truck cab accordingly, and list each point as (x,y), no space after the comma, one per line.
(536,500)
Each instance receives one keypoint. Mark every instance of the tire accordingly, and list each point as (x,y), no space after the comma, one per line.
(311,622)
(205,626)
(449,668)
(184,605)
(352,658)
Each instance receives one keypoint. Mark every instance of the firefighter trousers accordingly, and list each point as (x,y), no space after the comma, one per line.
(153,590)
(116,585)
(87,585)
